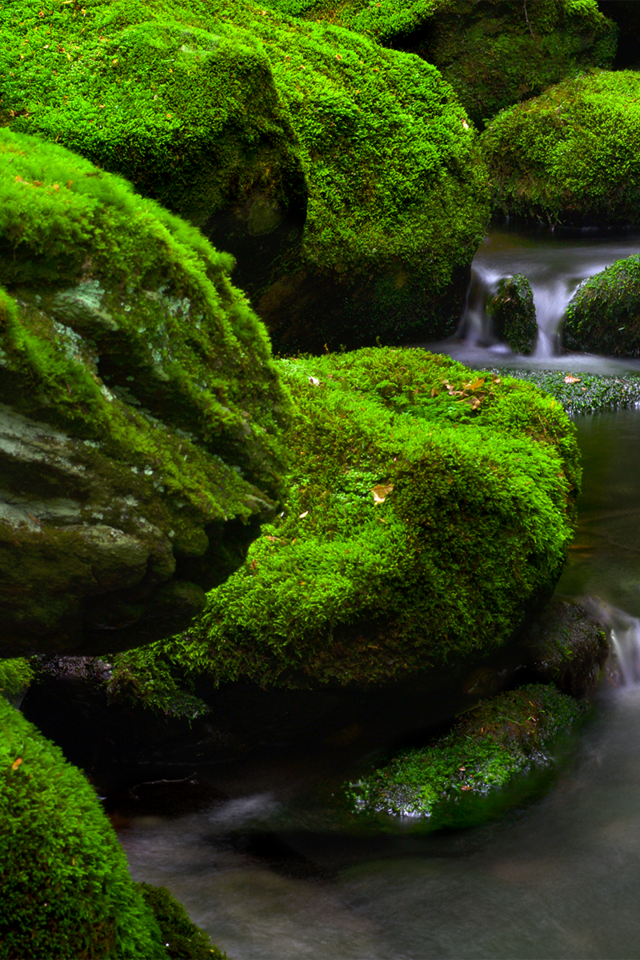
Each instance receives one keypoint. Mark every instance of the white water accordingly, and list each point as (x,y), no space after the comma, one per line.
(555,267)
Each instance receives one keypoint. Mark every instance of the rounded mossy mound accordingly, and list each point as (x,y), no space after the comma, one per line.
(513,314)
(571,155)
(66,889)
(140,410)
(431,508)
(493,53)
(604,314)
(475,771)
(344,177)
(181,937)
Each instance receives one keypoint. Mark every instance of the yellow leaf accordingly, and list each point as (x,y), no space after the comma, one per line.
(16,763)
(381,491)
(570,379)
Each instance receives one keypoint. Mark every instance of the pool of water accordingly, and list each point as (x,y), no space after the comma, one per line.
(557,879)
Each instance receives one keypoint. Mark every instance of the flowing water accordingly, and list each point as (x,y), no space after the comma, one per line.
(556,879)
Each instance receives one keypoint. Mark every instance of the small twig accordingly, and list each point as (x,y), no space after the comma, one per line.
(526,16)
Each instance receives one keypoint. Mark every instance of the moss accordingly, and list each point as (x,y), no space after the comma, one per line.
(604,313)
(513,314)
(475,479)
(183,939)
(458,779)
(15,677)
(583,393)
(362,154)
(141,410)
(572,154)
(493,53)
(66,889)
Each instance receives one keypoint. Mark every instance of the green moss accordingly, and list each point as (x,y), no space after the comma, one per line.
(572,154)
(458,779)
(15,677)
(183,939)
(584,392)
(66,890)
(493,54)
(145,375)
(212,109)
(477,478)
(604,314)
(513,314)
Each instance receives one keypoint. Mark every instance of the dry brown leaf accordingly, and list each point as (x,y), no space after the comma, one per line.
(381,491)
(570,379)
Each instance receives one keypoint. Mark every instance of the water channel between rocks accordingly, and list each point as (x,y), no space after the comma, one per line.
(557,879)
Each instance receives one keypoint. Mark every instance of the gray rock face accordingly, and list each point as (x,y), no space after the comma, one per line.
(139,413)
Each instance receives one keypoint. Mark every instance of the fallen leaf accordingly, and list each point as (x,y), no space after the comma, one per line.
(381,491)
(465,787)
(570,379)
(303,514)
(16,763)
(314,381)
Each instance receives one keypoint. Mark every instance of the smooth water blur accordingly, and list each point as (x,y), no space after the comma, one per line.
(555,264)
(558,879)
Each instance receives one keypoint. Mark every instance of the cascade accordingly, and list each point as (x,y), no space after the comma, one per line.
(624,630)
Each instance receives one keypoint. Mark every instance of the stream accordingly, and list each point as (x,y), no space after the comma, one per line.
(555,879)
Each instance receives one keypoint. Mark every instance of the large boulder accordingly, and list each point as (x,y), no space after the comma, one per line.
(66,889)
(513,314)
(344,177)
(139,411)
(430,512)
(571,155)
(604,313)
(493,53)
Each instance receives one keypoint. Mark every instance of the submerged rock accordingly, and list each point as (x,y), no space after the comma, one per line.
(139,411)
(493,53)
(344,177)
(430,510)
(513,314)
(571,155)
(604,313)
(463,777)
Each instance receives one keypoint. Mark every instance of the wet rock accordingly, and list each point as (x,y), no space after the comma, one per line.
(513,314)
(604,313)
(568,646)
(139,411)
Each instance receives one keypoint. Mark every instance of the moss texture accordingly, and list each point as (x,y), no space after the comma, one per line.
(15,677)
(494,52)
(346,177)
(457,780)
(431,507)
(584,392)
(182,938)
(604,313)
(140,409)
(571,155)
(513,314)
(66,890)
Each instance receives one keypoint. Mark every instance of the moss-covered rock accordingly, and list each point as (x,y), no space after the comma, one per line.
(345,177)
(139,410)
(513,314)
(15,677)
(567,646)
(572,154)
(493,52)
(584,392)
(182,938)
(604,313)
(431,507)
(464,776)
(66,890)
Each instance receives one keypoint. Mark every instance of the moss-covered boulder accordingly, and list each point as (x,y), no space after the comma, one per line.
(140,410)
(182,938)
(344,177)
(431,507)
(513,314)
(493,52)
(66,890)
(567,646)
(604,313)
(571,155)
(475,771)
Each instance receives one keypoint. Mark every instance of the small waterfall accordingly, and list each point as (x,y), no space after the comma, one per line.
(624,630)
